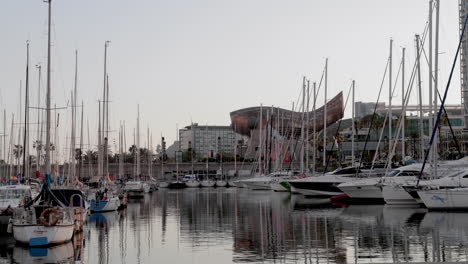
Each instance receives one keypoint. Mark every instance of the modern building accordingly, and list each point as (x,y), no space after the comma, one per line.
(362,109)
(207,141)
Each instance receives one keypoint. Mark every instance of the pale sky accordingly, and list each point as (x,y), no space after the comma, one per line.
(184,60)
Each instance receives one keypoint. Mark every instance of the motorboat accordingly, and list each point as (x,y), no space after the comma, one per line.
(403,191)
(265,182)
(370,189)
(134,189)
(12,196)
(278,184)
(326,185)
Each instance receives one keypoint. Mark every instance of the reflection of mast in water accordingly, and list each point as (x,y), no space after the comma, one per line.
(122,237)
(164,216)
(261,229)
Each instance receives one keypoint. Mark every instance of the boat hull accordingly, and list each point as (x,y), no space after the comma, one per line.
(445,199)
(396,195)
(39,235)
(221,183)
(318,189)
(280,186)
(163,184)
(208,183)
(257,185)
(105,206)
(363,192)
(193,184)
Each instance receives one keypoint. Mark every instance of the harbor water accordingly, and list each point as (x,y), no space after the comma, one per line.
(229,225)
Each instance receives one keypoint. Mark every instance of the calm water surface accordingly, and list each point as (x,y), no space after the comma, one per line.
(238,225)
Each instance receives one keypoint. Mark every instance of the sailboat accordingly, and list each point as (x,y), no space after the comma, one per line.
(45,220)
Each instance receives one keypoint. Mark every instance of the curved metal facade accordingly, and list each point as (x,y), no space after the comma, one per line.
(245,120)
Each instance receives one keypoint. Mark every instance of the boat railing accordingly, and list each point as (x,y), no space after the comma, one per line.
(81,200)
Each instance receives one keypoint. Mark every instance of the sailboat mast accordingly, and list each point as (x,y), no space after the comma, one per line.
(99,141)
(403,113)
(436,82)
(48,95)
(260,141)
(353,134)
(26,119)
(325,116)
(73,134)
(106,139)
(81,141)
(307,128)
(421,123)
(302,123)
(39,123)
(390,95)
(431,81)
(138,169)
(314,136)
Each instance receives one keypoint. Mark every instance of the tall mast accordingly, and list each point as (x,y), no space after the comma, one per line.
(73,134)
(390,95)
(138,170)
(48,95)
(90,171)
(353,134)
(26,120)
(106,139)
(260,141)
(403,114)
(314,136)
(307,128)
(436,82)
(431,81)
(302,123)
(99,142)
(81,141)
(325,116)
(39,123)
(421,123)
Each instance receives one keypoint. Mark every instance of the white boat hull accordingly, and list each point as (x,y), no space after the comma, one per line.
(39,235)
(445,199)
(221,183)
(193,184)
(163,184)
(105,206)
(277,187)
(363,192)
(257,185)
(208,183)
(147,188)
(396,195)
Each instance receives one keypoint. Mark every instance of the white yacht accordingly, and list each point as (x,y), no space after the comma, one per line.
(403,192)
(445,199)
(264,182)
(325,185)
(134,188)
(371,188)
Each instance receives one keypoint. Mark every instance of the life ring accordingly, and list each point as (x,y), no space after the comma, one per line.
(49,217)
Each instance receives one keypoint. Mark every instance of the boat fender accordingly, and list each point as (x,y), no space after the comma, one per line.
(49,217)
(10,227)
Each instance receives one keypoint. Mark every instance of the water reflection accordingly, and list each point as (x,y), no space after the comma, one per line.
(237,225)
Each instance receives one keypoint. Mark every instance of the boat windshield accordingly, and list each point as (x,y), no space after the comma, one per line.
(393,173)
(13,194)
